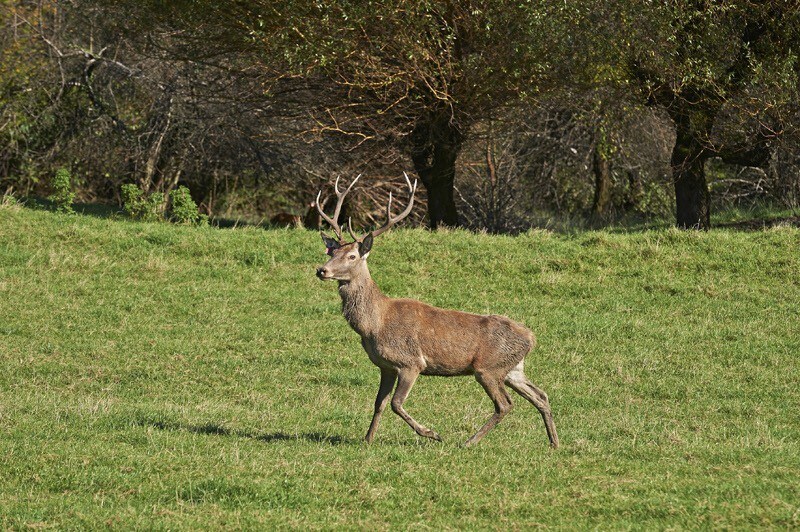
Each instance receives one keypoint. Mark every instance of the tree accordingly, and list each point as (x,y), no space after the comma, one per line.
(415,75)
(705,62)
(279,95)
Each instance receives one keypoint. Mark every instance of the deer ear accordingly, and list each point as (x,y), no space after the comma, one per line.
(330,243)
(365,245)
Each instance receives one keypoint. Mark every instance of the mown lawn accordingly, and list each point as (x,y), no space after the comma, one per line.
(156,376)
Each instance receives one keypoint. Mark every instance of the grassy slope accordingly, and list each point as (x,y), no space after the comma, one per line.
(177,377)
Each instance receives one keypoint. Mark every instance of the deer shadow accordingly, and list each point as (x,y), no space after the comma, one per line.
(213,429)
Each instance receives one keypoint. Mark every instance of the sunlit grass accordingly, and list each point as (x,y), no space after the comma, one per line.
(180,377)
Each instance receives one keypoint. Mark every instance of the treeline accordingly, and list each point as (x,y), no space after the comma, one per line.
(507,112)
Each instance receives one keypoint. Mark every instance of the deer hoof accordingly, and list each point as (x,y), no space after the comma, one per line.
(428,433)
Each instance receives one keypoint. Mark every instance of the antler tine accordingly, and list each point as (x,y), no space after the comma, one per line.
(333,225)
(350,230)
(340,197)
(412,189)
(339,201)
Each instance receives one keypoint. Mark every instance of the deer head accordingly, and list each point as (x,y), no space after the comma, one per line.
(349,260)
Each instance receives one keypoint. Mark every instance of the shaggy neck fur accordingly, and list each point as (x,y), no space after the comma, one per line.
(361,303)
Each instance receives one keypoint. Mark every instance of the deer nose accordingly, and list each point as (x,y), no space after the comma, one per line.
(321,272)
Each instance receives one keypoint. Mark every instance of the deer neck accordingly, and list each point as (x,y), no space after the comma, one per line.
(362,303)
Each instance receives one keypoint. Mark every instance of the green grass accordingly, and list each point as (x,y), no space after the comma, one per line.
(166,377)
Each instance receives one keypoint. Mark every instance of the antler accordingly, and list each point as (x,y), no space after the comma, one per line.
(391,221)
(339,200)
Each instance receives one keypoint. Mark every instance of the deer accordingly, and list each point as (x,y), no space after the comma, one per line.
(286,219)
(310,219)
(406,338)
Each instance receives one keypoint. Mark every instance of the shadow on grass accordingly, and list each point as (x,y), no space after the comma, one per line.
(110,211)
(218,430)
(752,220)
(761,224)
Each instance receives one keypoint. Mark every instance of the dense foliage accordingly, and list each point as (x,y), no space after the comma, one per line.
(508,112)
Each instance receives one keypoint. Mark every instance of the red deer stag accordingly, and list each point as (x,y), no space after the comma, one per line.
(406,338)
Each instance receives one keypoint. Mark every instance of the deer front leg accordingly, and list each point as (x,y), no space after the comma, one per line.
(388,377)
(405,380)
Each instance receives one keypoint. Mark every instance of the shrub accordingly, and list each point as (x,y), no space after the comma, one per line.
(9,201)
(139,206)
(62,196)
(184,209)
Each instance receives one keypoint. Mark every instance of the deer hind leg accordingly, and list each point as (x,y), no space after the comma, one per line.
(502,404)
(519,383)
(388,378)
(405,380)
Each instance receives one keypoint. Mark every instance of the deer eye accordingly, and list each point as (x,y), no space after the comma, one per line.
(352,257)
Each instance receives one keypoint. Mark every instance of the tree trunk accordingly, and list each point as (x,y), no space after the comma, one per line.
(151,166)
(436,145)
(692,197)
(601,167)
(635,191)
(693,124)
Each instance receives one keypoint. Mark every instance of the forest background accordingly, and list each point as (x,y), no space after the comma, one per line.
(511,114)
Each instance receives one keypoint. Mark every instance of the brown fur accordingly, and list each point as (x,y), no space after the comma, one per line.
(407,338)
(286,219)
(311,219)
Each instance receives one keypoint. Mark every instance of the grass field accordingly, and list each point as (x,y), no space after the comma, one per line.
(156,376)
